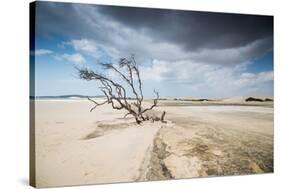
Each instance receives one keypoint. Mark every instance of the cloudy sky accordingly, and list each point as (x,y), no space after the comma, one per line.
(179,53)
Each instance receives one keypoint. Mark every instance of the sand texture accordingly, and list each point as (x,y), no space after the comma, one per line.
(74,146)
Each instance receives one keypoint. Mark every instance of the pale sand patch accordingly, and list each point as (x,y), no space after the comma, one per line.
(65,157)
(75,146)
(247,118)
(183,167)
(168,159)
(115,157)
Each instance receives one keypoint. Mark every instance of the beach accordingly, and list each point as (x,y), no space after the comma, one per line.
(75,146)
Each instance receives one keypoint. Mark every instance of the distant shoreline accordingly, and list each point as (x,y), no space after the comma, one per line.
(230,100)
(64,97)
(173,102)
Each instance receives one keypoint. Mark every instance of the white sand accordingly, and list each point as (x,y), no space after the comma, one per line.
(75,146)
(64,157)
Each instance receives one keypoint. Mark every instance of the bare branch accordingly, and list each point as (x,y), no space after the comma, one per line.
(130,81)
(126,114)
(96,103)
(138,75)
(115,93)
(155,101)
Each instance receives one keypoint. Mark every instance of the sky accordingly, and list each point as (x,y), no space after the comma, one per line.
(179,53)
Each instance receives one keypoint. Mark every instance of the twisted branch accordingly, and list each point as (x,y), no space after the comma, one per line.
(115,93)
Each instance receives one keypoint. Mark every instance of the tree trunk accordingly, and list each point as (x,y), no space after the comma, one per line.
(162,117)
(137,120)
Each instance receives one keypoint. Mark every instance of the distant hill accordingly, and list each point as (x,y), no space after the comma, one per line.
(240,99)
(252,99)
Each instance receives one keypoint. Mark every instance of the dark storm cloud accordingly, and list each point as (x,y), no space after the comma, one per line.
(59,19)
(191,30)
(212,51)
(195,29)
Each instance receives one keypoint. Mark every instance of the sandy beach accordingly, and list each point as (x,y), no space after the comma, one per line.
(75,146)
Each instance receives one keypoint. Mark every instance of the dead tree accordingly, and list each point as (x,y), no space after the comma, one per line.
(162,117)
(116,93)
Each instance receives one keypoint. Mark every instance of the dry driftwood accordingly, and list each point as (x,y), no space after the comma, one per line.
(116,94)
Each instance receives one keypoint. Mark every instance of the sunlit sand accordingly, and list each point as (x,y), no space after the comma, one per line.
(75,146)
